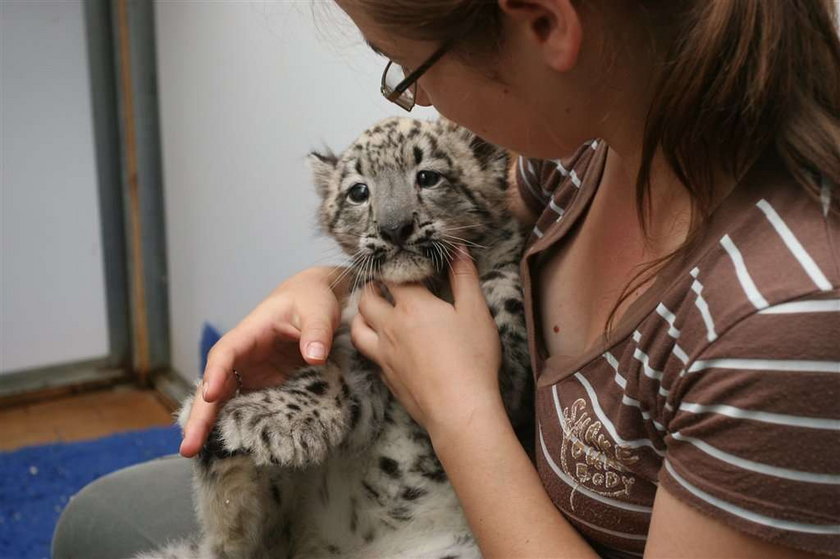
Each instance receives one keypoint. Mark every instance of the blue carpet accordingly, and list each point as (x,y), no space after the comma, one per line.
(36,482)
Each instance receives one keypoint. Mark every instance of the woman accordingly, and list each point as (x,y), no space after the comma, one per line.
(705,369)
(683,311)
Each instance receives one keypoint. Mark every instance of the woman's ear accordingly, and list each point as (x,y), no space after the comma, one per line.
(553,26)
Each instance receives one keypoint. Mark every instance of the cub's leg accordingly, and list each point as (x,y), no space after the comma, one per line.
(242,508)
(242,511)
(503,292)
(278,431)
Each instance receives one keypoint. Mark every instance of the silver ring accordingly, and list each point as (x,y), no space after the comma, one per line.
(238,378)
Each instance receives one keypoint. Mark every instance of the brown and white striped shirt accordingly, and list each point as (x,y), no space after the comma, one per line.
(721,382)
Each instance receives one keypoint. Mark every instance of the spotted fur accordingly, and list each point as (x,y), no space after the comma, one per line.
(329,463)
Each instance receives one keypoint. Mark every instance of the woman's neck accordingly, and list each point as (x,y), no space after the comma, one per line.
(666,213)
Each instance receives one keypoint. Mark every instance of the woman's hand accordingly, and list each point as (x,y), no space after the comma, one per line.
(292,327)
(440,360)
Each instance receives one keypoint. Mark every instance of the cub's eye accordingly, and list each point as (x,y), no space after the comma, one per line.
(358,193)
(427,179)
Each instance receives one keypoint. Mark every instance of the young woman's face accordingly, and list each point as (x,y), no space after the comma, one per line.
(525,106)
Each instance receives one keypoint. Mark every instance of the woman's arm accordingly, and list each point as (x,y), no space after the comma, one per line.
(506,505)
(679,530)
(440,361)
(511,515)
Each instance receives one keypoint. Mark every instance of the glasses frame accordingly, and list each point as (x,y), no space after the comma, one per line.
(394,94)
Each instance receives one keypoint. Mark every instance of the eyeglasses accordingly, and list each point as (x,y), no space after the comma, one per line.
(399,85)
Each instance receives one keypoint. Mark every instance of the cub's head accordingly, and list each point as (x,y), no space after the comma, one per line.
(406,192)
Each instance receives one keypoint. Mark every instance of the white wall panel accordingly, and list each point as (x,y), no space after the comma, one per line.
(52,278)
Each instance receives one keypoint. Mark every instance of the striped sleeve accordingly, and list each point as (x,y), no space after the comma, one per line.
(754,439)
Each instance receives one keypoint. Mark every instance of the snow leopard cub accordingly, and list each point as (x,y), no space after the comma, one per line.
(330,464)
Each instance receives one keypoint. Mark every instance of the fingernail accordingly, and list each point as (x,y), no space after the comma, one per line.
(316,350)
(204,389)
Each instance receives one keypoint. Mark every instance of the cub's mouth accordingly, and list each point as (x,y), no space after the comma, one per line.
(409,263)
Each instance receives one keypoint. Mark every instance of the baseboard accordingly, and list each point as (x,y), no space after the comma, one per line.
(171,388)
(23,387)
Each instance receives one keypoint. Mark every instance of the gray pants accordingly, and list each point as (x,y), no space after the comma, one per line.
(131,510)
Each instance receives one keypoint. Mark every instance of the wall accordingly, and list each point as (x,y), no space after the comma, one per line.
(247,89)
(51,271)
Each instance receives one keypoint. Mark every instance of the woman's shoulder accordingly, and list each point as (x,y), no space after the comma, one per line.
(767,250)
(753,326)
(767,261)
(759,292)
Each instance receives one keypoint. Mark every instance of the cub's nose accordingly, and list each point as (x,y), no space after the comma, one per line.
(397,234)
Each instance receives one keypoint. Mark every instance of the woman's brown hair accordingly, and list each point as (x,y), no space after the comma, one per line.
(739,78)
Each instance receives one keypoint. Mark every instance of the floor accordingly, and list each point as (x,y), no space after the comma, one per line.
(82,416)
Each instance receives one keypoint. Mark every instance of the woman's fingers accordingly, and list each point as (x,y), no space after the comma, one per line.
(219,381)
(405,293)
(463,277)
(317,326)
(316,315)
(219,384)
(363,337)
(202,417)
(373,306)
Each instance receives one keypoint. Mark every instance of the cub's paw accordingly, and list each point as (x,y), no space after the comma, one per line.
(274,427)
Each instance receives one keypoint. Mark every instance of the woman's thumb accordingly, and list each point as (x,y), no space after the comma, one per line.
(316,341)
(463,278)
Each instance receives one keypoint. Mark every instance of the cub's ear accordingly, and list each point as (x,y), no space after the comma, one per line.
(485,152)
(323,166)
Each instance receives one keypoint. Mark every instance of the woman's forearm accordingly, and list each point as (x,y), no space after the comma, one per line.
(505,503)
